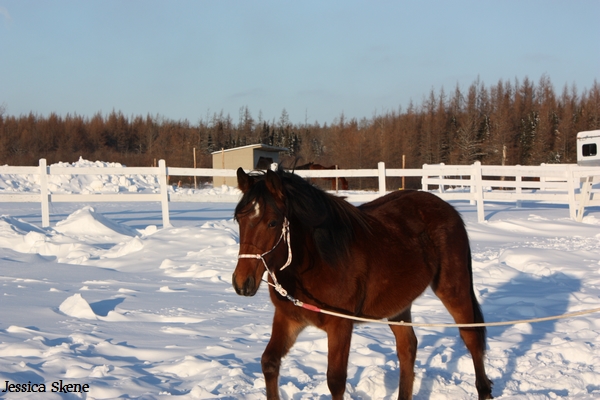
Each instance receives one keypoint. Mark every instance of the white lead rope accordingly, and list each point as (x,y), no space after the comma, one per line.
(439,325)
(285,236)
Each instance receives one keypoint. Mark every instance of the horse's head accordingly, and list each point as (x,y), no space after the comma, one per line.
(261,217)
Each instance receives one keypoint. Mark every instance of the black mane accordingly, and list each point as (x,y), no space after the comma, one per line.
(330,220)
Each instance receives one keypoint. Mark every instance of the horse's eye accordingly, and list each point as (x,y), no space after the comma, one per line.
(272,224)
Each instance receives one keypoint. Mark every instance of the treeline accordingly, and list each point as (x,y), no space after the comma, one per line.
(507,123)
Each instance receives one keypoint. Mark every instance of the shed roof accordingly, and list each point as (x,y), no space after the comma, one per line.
(264,147)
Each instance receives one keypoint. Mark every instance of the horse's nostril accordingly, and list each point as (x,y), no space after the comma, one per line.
(238,290)
(249,288)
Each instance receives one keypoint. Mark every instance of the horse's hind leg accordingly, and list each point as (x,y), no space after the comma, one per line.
(406,347)
(465,309)
(474,339)
(283,335)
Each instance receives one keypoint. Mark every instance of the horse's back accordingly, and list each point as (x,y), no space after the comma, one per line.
(416,209)
(411,216)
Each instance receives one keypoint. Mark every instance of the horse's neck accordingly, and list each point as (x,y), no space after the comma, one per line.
(306,250)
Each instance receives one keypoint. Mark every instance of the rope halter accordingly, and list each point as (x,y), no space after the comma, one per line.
(285,236)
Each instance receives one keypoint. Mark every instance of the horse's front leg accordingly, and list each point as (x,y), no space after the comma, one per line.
(406,348)
(339,336)
(283,335)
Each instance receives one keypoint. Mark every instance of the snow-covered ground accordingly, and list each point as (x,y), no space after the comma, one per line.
(107,298)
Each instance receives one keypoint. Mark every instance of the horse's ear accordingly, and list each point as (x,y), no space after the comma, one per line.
(274,185)
(245,181)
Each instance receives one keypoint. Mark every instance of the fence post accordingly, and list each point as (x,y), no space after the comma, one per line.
(473,187)
(44,193)
(424,183)
(478,191)
(441,177)
(584,196)
(381,168)
(571,191)
(164,192)
(337,180)
(518,189)
(543,179)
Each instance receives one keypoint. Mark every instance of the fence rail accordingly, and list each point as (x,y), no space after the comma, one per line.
(558,183)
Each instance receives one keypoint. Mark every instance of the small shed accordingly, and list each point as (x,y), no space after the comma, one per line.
(254,156)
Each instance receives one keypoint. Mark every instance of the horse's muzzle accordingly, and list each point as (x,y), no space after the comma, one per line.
(247,288)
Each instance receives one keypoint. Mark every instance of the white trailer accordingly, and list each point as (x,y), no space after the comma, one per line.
(588,143)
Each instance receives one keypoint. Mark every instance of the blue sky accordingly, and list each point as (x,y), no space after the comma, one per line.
(315,59)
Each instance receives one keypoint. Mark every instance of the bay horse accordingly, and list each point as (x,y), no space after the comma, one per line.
(369,261)
(342,183)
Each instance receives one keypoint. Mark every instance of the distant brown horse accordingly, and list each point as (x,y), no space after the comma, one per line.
(370,261)
(342,183)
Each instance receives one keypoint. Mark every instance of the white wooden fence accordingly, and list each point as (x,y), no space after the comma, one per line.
(557,183)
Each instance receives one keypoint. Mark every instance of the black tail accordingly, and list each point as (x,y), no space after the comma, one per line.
(477,313)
